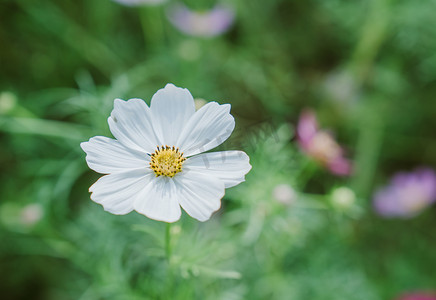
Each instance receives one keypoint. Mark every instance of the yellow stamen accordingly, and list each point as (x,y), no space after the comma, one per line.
(166,161)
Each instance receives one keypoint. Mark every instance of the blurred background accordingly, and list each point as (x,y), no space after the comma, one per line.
(334,102)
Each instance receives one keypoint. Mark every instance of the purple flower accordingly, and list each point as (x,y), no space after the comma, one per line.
(140,2)
(320,145)
(407,194)
(201,23)
(417,296)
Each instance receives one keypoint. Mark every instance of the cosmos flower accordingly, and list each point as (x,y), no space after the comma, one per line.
(418,296)
(407,194)
(156,164)
(320,145)
(201,23)
(140,2)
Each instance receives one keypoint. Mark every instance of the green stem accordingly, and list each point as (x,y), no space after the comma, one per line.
(168,253)
(168,242)
(374,32)
(152,27)
(307,170)
(368,150)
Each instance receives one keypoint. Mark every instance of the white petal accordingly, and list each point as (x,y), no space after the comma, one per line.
(209,127)
(171,107)
(105,155)
(199,194)
(229,166)
(117,192)
(159,201)
(131,123)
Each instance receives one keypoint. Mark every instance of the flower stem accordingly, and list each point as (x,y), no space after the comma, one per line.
(374,32)
(152,27)
(306,171)
(168,252)
(168,242)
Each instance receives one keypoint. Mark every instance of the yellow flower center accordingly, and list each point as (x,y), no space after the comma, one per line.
(166,161)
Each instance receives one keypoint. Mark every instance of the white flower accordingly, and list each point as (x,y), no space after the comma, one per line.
(154,166)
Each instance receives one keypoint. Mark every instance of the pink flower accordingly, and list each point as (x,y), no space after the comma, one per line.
(407,194)
(320,145)
(140,2)
(418,296)
(202,24)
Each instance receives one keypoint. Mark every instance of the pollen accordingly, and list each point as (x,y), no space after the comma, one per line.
(166,161)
